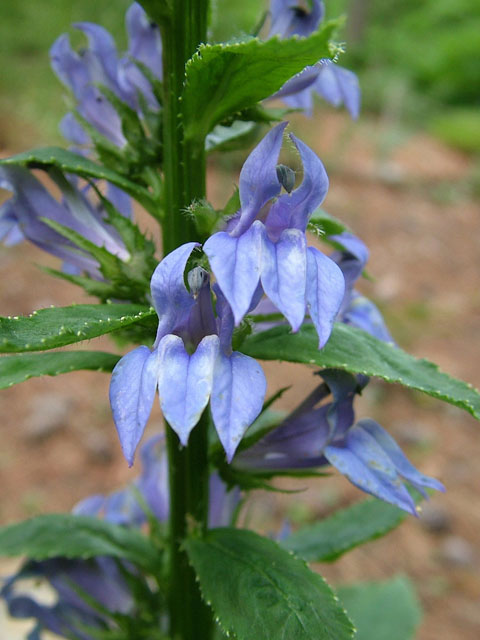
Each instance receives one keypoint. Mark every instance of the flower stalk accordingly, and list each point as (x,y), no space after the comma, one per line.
(184,175)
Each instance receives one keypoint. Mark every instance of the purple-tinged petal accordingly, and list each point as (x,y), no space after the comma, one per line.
(10,232)
(132,392)
(120,200)
(353,245)
(103,65)
(99,112)
(289,19)
(343,386)
(171,299)
(299,82)
(338,85)
(294,210)
(325,291)
(153,481)
(366,465)
(258,178)
(185,382)
(68,66)
(72,130)
(30,203)
(362,313)
(297,443)
(201,320)
(236,264)
(302,101)
(132,82)
(238,393)
(225,321)
(80,215)
(144,41)
(122,507)
(351,267)
(284,271)
(91,506)
(401,463)
(222,502)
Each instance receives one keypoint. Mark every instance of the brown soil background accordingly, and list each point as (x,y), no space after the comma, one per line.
(411,200)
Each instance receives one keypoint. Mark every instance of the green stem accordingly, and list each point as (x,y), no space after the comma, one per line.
(184,176)
(190,618)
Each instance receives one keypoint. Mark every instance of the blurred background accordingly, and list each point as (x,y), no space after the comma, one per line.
(405,177)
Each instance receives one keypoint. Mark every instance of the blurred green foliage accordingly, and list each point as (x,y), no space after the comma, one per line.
(458,127)
(417,61)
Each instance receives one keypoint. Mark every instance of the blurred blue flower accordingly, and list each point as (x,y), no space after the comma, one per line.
(97,65)
(356,309)
(333,83)
(24,215)
(103,579)
(317,434)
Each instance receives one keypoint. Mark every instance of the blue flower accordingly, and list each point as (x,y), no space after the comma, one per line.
(192,363)
(99,64)
(288,18)
(315,436)
(123,506)
(23,215)
(265,249)
(327,79)
(100,578)
(357,310)
(71,616)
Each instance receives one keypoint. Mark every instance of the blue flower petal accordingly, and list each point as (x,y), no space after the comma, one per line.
(120,200)
(284,272)
(403,466)
(144,41)
(299,82)
(366,465)
(171,299)
(101,56)
(287,20)
(294,210)
(68,66)
(338,85)
(236,265)
(185,381)
(100,113)
(325,291)
(258,178)
(239,387)
(72,130)
(132,392)
(362,313)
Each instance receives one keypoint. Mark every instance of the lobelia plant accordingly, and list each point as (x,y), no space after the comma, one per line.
(165,557)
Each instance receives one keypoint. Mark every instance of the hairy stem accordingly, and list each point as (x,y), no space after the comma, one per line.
(184,174)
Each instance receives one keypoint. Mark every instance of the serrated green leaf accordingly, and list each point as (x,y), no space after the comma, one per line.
(15,369)
(381,610)
(258,590)
(58,326)
(358,352)
(73,536)
(223,79)
(346,529)
(70,162)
